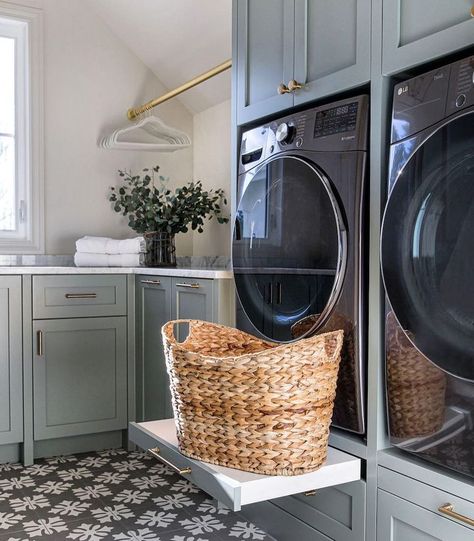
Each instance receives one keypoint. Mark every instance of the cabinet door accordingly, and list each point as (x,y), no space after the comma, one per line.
(332,46)
(400,520)
(265,44)
(417,32)
(192,299)
(79,376)
(11,409)
(153,311)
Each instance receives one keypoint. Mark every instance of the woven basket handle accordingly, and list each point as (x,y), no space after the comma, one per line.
(168,329)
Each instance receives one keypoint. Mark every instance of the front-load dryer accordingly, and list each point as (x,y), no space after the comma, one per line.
(298,243)
(427,254)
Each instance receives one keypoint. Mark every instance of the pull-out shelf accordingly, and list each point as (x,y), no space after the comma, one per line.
(236,488)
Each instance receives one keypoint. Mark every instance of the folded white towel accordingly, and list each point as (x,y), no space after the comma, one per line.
(105,245)
(106,260)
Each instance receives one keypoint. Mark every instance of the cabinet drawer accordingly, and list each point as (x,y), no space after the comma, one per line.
(401,520)
(427,496)
(338,512)
(79,296)
(236,488)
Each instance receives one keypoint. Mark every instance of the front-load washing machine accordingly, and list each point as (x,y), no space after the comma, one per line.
(427,255)
(299,240)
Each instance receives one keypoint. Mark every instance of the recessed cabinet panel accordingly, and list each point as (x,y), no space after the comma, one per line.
(400,520)
(417,32)
(332,46)
(80,376)
(192,299)
(79,296)
(11,417)
(265,56)
(153,311)
(338,512)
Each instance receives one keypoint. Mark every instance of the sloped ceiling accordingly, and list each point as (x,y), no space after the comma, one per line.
(177,40)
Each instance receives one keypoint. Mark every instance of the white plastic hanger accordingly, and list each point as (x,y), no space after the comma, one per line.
(149,133)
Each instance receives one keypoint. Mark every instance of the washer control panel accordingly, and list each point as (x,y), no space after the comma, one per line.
(340,119)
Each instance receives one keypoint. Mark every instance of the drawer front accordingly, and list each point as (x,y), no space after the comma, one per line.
(338,512)
(427,496)
(79,296)
(401,520)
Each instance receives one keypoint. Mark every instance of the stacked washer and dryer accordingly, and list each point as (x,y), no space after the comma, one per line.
(427,254)
(299,237)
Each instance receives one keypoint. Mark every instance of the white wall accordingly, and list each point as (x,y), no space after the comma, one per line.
(91,78)
(211,164)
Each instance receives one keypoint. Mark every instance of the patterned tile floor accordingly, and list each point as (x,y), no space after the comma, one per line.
(111,495)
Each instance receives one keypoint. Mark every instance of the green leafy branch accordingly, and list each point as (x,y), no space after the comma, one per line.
(150,208)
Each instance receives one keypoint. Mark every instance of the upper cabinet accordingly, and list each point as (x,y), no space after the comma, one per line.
(417,32)
(293,51)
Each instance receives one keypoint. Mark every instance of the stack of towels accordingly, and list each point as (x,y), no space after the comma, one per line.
(105,252)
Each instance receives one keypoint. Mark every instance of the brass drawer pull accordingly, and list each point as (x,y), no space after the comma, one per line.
(151,282)
(448,509)
(192,286)
(472,11)
(156,453)
(39,343)
(81,295)
(310,493)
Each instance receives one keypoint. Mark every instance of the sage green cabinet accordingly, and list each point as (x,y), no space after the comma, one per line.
(79,376)
(419,31)
(160,299)
(322,44)
(153,310)
(11,370)
(401,520)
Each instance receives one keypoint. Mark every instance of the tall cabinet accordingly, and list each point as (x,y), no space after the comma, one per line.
(282,52)
(11,370)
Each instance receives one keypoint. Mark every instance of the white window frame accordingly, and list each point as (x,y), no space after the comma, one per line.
(25,25)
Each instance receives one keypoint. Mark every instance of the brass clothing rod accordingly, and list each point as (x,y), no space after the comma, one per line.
(134,112)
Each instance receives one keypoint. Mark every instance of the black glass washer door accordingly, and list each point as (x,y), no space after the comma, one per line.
(289,248)
(427,247)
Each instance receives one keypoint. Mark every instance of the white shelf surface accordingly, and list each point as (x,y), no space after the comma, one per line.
(236,488)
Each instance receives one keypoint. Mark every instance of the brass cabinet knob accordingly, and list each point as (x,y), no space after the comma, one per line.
(283,89)
(294,85)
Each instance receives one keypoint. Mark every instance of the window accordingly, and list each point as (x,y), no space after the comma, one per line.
(21,189)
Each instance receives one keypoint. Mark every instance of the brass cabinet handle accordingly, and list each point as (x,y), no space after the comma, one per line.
(294,85)
(153,282)
(310,493)
(81,295)
(156,453)
(39,343)
(192,286)
(283,89)
(448,509)
(472,11)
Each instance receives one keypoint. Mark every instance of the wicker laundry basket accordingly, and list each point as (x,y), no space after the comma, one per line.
(416,387)
(252,405)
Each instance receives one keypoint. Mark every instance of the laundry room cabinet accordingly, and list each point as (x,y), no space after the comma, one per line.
(279,41)
(11,369)
(417,32)
(160,299)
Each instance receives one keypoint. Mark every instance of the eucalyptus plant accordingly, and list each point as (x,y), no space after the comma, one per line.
(157,208)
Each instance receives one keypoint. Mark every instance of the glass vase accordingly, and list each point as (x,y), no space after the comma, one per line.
(160,249)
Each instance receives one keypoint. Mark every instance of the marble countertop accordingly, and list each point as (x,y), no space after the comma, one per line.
(189,267)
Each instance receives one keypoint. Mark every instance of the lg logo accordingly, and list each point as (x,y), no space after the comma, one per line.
(402,90)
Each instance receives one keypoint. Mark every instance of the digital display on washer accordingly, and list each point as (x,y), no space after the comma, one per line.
(336,120)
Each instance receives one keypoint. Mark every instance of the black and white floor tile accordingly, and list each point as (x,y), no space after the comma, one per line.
(111,495)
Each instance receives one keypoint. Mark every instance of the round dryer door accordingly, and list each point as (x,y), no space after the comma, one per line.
(289,247)
(427,247)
